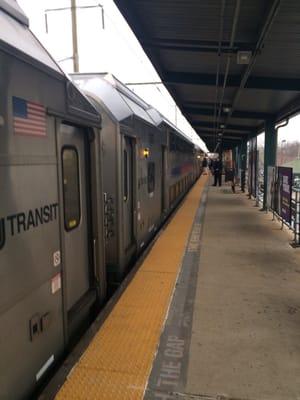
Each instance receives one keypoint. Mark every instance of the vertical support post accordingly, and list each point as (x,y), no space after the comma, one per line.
(234,150)
(269,153)
(237,163)
(243,163)
(74,37)
(297,219)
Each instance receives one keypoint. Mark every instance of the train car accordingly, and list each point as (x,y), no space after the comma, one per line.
(51,220)
(198,161)
(132,150)
(179,161)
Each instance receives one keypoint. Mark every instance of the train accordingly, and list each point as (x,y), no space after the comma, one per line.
(88,174)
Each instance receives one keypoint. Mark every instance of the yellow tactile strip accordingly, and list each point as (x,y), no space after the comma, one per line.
(117,363)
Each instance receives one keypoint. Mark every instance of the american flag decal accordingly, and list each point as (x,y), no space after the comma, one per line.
(28,118)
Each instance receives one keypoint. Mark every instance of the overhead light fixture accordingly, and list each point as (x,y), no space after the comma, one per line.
(146,152)
(222,126)
(226,109)
(244,57)
(220,134)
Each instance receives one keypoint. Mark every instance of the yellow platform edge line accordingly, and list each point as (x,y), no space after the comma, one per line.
(118,361)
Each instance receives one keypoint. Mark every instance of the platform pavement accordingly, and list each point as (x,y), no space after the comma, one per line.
(117,360)
(233,329)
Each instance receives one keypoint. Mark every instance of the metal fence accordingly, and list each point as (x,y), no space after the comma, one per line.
(295,208)
(294,224)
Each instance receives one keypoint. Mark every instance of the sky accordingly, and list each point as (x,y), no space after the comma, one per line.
(286,134)
(113,49)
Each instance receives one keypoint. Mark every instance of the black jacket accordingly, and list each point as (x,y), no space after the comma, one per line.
(217,166)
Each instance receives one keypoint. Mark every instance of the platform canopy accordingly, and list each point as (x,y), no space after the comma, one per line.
(229,64)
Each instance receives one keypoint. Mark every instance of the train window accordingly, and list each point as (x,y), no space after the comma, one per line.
(71,189)
(125,183)
(151,137)
(172,194)
(151,177)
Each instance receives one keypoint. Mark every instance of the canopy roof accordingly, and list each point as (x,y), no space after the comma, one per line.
(229,64)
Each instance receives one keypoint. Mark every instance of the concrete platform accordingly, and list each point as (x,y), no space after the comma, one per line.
(117,359)
(233,329)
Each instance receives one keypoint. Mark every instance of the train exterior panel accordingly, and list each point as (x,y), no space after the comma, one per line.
(180,166)
(133,168)
(43,119)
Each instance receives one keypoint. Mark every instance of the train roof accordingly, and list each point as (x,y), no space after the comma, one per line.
(120,101)
(17,40)
(160,119)
(15,33)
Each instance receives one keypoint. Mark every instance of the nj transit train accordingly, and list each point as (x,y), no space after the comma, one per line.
(86,179)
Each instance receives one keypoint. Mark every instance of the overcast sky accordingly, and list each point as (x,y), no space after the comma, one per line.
(113,49)
(287,134)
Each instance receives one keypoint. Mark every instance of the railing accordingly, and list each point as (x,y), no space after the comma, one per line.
(294,224)
(295,208)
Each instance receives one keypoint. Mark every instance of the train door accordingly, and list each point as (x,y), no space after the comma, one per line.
(73,174)
(163,178)
(128,193)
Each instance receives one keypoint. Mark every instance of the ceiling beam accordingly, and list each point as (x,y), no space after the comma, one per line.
(232,138)
(198,46)
(236,114)
(212,133)
(204,124)
(206,104)
(253,82)
(197,42)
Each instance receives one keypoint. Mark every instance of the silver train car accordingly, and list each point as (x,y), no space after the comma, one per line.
(132,169)
(86,179)
(51,220)
(148,165)
(183,161)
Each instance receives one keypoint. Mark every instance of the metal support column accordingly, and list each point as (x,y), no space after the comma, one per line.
(234,153)
(74,37)
(243,163)
(270,152)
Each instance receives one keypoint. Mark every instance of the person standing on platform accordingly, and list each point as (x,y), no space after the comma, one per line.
(217,167)
(231,178)
(204,165)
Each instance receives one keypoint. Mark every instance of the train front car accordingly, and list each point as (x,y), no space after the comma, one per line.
(50,255)
(132,169)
